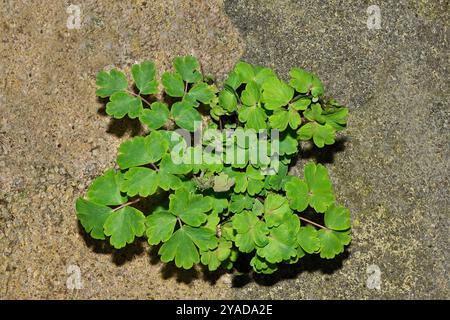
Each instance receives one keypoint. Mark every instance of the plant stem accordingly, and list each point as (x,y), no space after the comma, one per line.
(154,167)
(313,223)
(139,96)
(179,222)
(127,204)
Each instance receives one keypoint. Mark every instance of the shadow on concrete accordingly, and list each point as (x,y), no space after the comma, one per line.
(120,127)
(119,256)
(243,271)
(309,263)
(170,270)
(322,155)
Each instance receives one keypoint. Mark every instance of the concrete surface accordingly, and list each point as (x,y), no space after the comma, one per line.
(390,167)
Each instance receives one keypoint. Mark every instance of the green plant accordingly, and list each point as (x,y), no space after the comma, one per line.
(219,207)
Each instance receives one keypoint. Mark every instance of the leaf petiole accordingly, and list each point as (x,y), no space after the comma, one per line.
(138,96)
(127,204)
(313,223)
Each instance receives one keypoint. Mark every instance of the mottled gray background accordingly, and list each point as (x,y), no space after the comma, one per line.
(390,167)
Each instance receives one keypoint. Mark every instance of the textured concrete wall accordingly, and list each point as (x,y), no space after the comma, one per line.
(390,168)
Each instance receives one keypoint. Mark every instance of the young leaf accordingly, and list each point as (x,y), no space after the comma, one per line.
(233,81)
(222,183)
(301,104)
(214,258)
(168,166)
(262,74)
(254,117)
(244,71)
(330,243)
(336,119)
(305,82)
(227,100)
(92,217)
(294,118)
(181,248)
(258,208)
(322,134)
(204,238)
(109,83)
(124,225)
(155,117)
(308,239)
(144,77)
(142,181)
(344,237)
(227,231)
(251,232)
(188,67)
(276,93)
(282,241)
(253,173)
(250,96)
(173,84)
(105,189)
(280,119)
(297,194)
(218,204)
(190,207)
(212,221)
(202,92)
(288,145)
(122,103)
(276,207)
(317,89)
(316,190)
(319,185)
(255,179)
(337,218)
(315,114)
(278,180)
(186,116)
(160,226)
(240,203)
(261,265)
(168,181)
(139,150)
(254,186)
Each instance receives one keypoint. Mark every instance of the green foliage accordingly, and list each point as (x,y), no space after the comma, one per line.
(124,225)
(144,77)
(122,103)
(316,190)
(211,211)
(156,117)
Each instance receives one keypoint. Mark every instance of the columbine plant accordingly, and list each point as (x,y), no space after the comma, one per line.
(229,202)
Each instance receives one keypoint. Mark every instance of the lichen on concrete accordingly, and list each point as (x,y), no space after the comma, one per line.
(391,165)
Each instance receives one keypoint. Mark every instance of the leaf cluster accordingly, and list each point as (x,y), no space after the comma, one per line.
(220,208)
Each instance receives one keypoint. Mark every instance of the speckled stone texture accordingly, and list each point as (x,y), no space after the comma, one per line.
(390,167)
(54,141)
